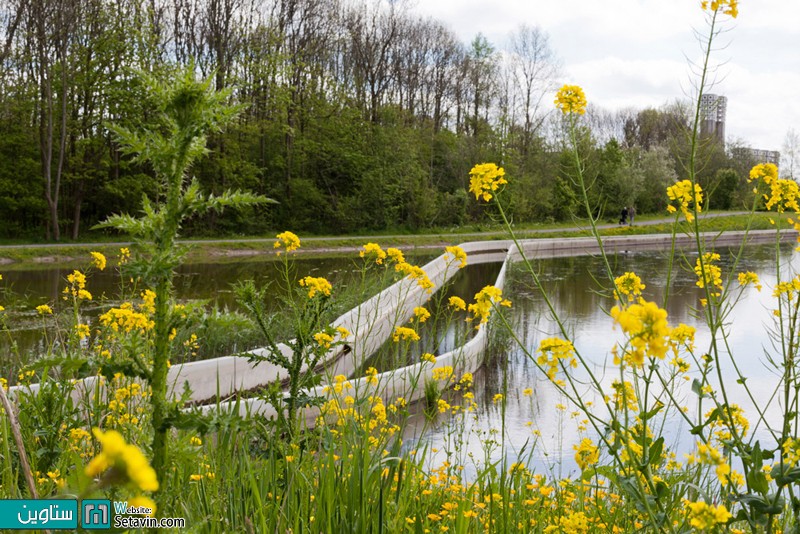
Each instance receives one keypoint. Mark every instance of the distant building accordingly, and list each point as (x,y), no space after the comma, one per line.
(765,156)
(712,116)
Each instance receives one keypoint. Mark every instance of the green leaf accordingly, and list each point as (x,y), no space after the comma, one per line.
(655,451)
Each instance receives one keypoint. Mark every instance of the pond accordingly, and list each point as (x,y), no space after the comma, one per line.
(544,421)
(22,289)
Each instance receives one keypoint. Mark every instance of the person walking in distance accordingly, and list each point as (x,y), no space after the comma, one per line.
(631,214)
(623,216)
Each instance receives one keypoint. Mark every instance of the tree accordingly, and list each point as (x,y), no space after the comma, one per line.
(535,69)
(790,155)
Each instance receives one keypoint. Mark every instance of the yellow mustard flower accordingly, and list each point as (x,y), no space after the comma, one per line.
(485,300)
(288,240)
(421,314)
(748,278)
(628,285)
(485,179)
(405,334)
(324,340)
(316,285)
(395,255)
(373,251)
(122,461)
(551,351)
(727,7)
(415,273)
(82,330)
(571,99)
(457,303)
(98,260)
(708,273)
(703,516)
(457,254)
(647,329)
(124,256)
(684,193)
(586,453)
(44,309)
(768,172)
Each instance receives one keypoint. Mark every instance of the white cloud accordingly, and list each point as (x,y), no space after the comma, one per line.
(632,52)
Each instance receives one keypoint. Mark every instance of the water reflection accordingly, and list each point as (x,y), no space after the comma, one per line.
(545,417)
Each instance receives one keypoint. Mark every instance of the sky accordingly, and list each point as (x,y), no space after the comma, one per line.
(637,53)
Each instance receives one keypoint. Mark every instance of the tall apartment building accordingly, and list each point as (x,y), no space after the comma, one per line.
(765,156)
(712,116)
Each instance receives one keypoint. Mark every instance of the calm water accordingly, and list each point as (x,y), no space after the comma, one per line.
(570,283)
(21,290)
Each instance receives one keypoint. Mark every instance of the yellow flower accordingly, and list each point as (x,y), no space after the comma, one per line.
(44,309)
(586,453)
(288,240)
(316,285)
(570,99)
(121,460)
(323,339)
(485,178)
(728,7)
(404,333)
(428,357)
(624,395)
(457,303)
(196,441)
(709,274)
(458,254)
(551,351)
(415,273)
(82,330)
(647,329)
(98,260)
(396,255)
(498,397)
(764,171)
(124,255)
(750,278)
(373,251)
(485,300)
(703,516)
(372,376)
(783,196)
(421,314)
(628,285)
(343,332)
(195,477)
(684,193)
(527,392)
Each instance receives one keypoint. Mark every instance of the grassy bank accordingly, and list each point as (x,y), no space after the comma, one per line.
(22,256)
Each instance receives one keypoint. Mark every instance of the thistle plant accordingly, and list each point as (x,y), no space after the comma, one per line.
(186,112)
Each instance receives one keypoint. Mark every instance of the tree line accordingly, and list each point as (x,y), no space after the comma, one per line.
(354,115)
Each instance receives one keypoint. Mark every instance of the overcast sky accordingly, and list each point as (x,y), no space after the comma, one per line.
(634,52)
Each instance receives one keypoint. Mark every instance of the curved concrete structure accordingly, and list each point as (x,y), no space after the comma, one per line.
(373,322)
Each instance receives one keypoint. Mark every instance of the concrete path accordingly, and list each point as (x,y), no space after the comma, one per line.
(450,237)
